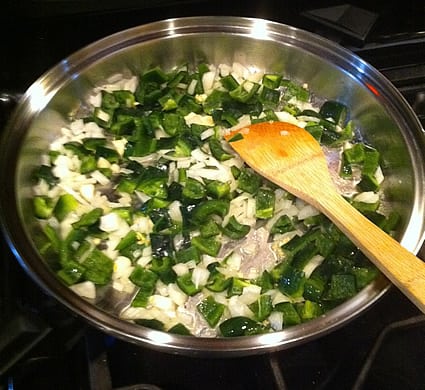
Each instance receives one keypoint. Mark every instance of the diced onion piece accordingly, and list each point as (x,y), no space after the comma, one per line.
(177,295)
(200,276)
(85,289)
(314,262)
(180,269)
(161,302)
(250,294)
(122,267)
(276,320)
(111,222)
(238,308)
(367,197)
(307,211)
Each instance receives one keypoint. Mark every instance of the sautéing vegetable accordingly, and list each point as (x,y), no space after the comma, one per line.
(145,193)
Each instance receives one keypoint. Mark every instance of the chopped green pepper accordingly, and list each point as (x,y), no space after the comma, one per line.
(211,310)
(98,267)
(207,245)
(234,229)
(264,203)
(186,284)
(65,204)
(240,326)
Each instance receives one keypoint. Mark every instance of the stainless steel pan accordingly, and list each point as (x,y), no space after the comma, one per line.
(380,113)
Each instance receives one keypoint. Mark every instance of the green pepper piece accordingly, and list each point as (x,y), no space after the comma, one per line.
(127,184)
(289,313)
(316,131)
(155,187)
(308,310)
(103,117)
(390,223)
(282,225)
(188,254)
(109,101)
(52,237)
(243,95)
(161,219)
(269,97)
(124,98)
(217,282)
(303,256)
(161,244)
(292,282)
(88,164)
(143,146)
(65,204)
(71,273)
(209,229)
(66,247)
(179,329)
(44,172)
(334,110)
(107,153)
(92,143)
(186,285)
(204,210)
(236,286)
(313,289)
(366,208)
(193,189)
(218,189)
(156,75)
(209,246)
(211,310)
(89,218)
(262,307)
(173,123)
(43,207)
(129,239)
(76,148)
(82,250)
(182,76)
(265,281)
(170,101)
(98,267)
(217,150)
(271,80)
(240,326)
(236,137)
(249,181)
(264,203)
(341,286)
(162,266)
(150,323)
(146,281)
(364,275)
(368,181)
(297,243)
(355,154)
(292,89)
(182,148)
(234,229)
(229,82)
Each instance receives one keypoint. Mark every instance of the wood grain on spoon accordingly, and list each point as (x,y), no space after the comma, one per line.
(290,157)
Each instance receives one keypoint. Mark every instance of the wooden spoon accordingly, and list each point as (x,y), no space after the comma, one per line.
(290,157)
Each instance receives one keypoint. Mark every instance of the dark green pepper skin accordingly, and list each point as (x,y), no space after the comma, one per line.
(240,326)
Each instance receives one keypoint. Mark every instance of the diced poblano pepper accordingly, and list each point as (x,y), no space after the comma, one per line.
(211,310)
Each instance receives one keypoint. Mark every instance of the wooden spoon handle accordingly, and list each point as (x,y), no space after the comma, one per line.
(400,266)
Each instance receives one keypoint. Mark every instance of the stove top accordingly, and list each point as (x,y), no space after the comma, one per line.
(44,346)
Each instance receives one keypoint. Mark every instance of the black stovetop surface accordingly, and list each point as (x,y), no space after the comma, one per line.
(47,347)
